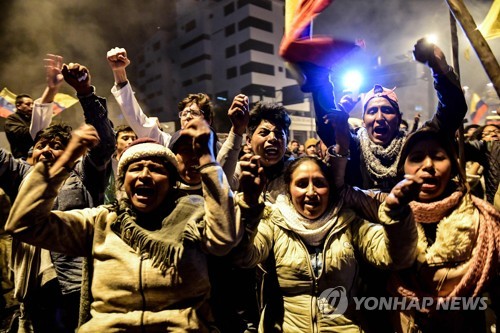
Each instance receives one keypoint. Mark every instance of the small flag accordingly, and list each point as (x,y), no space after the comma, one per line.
(478,108)
(62,102)
(7,102)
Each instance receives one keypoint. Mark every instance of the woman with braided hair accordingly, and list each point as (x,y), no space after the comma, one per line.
(458,241)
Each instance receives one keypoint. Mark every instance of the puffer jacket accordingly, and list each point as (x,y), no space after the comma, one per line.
(295,307)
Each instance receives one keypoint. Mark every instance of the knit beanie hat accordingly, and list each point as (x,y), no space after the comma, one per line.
(379,91)
(141,149)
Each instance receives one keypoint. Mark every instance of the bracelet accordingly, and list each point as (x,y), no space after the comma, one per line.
(330,152)
(201,167)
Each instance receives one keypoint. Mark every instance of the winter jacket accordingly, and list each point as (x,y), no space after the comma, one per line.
(17,130)
(488,155)
(295,307)
(128,292)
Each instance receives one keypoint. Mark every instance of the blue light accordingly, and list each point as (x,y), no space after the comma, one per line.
(352,80)
(221,98)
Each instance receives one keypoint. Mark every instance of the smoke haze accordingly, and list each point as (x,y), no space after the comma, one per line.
(83,31)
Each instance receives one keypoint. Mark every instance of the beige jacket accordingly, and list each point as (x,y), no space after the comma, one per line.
(128,293)
(297,304)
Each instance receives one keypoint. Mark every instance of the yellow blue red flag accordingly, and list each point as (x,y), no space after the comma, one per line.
(478,108)
(7,102)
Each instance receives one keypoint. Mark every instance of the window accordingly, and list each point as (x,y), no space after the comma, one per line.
(255,23)
(231,72)
(195,40)
(257,67)
(195,60)
(156,46)
(266,4)
(230,29)
(259,90)
(228,9)
(203,77)
(256,45)
(187,83)
(190,26)
(230,51)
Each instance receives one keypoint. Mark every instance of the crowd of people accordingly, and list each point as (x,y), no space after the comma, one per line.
(129,228)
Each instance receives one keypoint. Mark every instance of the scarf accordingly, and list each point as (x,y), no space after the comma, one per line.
(484,261)
(381,162)
(435,211)
(456,231)
(311,231)
(163,246)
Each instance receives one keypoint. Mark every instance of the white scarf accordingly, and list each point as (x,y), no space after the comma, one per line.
(312,232)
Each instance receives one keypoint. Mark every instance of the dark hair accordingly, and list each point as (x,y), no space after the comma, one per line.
(20,97)
(203,102)
(60,131)
(272,112)
(122,128)
(468,127)
(445,142)
(325,170)
(478,133)
(404,122)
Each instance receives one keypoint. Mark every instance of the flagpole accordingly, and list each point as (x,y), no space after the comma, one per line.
(456,67)
(486,56)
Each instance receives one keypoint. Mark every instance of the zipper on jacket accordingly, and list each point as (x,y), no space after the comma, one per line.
(141,290)
(314,298)
(315,291)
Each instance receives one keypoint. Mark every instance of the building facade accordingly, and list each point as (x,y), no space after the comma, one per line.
(222,48)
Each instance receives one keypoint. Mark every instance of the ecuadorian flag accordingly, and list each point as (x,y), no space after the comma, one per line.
(478,108)
(62,102)
(7,102)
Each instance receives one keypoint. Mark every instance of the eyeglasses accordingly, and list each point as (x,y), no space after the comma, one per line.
(194,113)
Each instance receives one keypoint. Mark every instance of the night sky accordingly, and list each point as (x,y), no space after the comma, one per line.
(83,31)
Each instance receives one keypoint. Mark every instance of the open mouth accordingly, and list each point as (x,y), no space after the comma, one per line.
(271,151)
(144,192)
(429,183)
(311,204)
(380,130)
